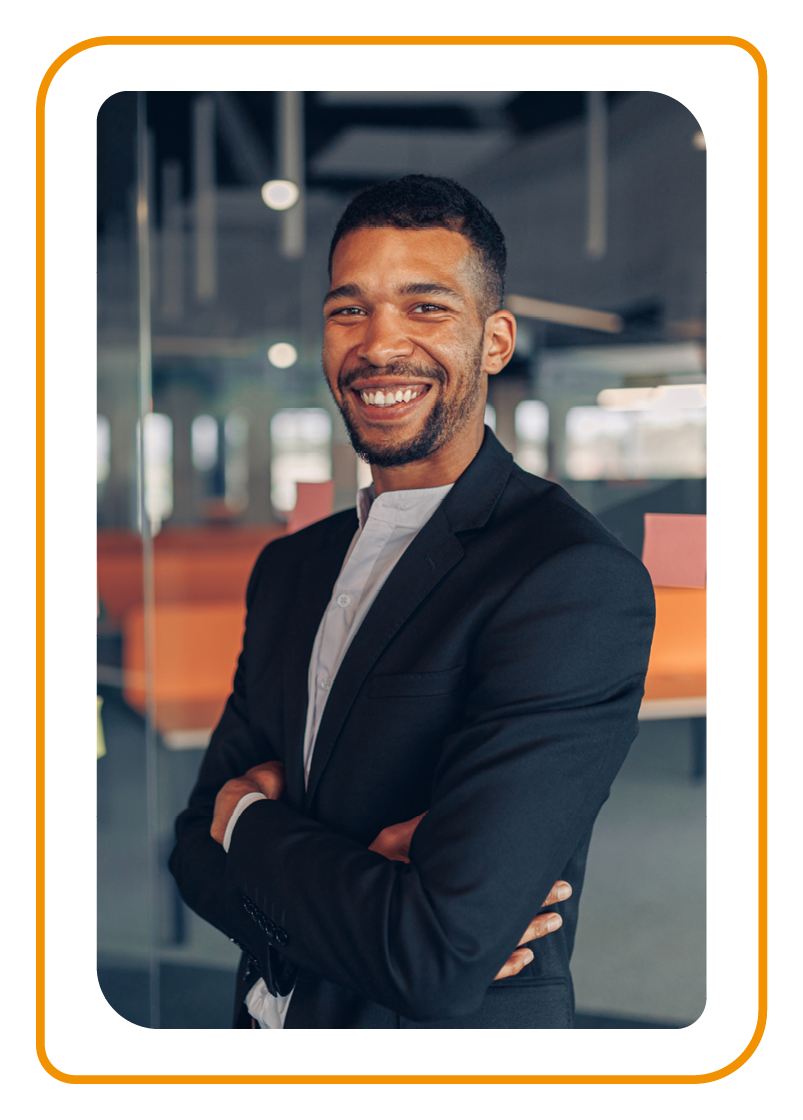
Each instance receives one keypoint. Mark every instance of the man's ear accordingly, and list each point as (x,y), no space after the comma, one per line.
(500,341)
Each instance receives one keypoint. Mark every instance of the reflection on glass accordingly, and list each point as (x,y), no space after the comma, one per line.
(532,432)
(301,451)
(104,449)
(158,443)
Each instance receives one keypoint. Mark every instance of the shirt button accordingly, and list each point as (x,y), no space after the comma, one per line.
(326,683)
(343,600)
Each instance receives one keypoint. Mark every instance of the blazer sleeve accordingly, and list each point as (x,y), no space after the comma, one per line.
(556,679)
(198,862)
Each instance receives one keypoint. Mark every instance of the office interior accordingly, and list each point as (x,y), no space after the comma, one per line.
(216,434)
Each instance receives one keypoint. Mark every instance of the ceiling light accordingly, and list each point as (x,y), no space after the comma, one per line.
(280,194)
(661,397)
(282,355)
(564,313)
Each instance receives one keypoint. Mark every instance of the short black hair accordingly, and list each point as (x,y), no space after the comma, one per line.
(426,202)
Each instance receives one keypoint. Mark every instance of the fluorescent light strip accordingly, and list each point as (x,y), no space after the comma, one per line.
(564,313)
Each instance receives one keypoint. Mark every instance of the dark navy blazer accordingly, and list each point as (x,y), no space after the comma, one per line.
(495,682)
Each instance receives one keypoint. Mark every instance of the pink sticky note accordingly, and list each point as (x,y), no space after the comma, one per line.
(674,549)
(314,501)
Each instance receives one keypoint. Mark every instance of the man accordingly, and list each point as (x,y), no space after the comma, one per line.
(435,691)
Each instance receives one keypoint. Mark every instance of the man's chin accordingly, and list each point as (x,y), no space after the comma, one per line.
(394,453)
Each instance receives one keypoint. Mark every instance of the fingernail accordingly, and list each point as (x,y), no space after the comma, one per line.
(528,956)
(555,922)
(564,891)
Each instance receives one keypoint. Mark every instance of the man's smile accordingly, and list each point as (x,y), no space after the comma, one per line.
(385,399)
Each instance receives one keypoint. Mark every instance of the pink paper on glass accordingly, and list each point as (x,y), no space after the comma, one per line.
(314,501)
(674,549)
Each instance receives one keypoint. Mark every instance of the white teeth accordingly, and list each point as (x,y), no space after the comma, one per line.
(385,398)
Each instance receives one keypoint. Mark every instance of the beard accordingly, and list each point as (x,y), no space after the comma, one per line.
(444,421)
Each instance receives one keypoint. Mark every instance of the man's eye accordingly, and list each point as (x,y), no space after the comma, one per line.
(428,307)
(342,311)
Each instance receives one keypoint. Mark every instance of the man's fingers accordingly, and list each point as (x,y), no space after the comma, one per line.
(269,778)
(540,926)
(515,963)
(559,893)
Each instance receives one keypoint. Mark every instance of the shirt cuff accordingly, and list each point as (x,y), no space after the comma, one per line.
(246,800)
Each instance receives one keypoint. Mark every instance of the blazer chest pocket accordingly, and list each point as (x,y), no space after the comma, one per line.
(416,684)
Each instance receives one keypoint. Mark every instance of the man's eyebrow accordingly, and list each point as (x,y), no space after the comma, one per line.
(345,291)
(430,288)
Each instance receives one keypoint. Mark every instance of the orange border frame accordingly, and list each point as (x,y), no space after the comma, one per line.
(371,40)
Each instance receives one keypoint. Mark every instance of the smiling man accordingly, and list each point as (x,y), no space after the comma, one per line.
(435,689)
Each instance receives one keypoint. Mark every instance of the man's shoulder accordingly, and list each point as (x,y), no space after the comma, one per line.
(316,535)
(549,511)
(290,552)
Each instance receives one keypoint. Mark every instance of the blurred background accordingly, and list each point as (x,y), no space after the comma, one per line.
(216,433)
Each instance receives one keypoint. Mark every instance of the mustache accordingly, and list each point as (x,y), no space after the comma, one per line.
(408,370)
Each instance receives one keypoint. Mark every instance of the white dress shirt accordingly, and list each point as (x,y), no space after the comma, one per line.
(387,525)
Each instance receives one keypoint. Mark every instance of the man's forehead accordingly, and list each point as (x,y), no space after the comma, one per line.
(429,258)
(433,242)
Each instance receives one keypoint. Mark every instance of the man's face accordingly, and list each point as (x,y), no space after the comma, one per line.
(404,341)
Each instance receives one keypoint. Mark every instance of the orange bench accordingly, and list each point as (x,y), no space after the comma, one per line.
(196,649)
(675,682)
(193,564)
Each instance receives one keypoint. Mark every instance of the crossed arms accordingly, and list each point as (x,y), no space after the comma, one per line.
(517,787)
(392,842)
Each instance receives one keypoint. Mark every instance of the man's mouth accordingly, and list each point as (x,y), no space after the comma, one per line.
(383,398)
(390,396)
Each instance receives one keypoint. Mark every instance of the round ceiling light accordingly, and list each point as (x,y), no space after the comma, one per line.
(282,355)
(280,194)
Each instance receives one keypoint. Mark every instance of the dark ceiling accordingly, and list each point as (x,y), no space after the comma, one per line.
(327,118)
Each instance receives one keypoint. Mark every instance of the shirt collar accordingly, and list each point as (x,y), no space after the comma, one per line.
(409,508)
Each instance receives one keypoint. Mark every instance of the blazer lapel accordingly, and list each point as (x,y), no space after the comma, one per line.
(430,557)
(433,552)
(318,575)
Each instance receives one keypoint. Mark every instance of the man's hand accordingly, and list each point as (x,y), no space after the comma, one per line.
(267,778)
(393,842)
(541,925)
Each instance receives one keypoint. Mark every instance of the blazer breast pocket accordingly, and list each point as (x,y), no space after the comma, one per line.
(416,684)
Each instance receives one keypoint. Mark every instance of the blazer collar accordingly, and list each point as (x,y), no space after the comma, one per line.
(432,554)
(319,572)
(470,502)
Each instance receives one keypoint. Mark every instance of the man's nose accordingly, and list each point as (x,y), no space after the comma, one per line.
(385,339)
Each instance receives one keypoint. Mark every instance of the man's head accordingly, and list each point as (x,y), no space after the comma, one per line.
(413,316)
(429,202)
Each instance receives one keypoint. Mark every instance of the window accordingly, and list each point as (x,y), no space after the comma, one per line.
(301,451)
(653,433)
(204,443)
(532,433)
